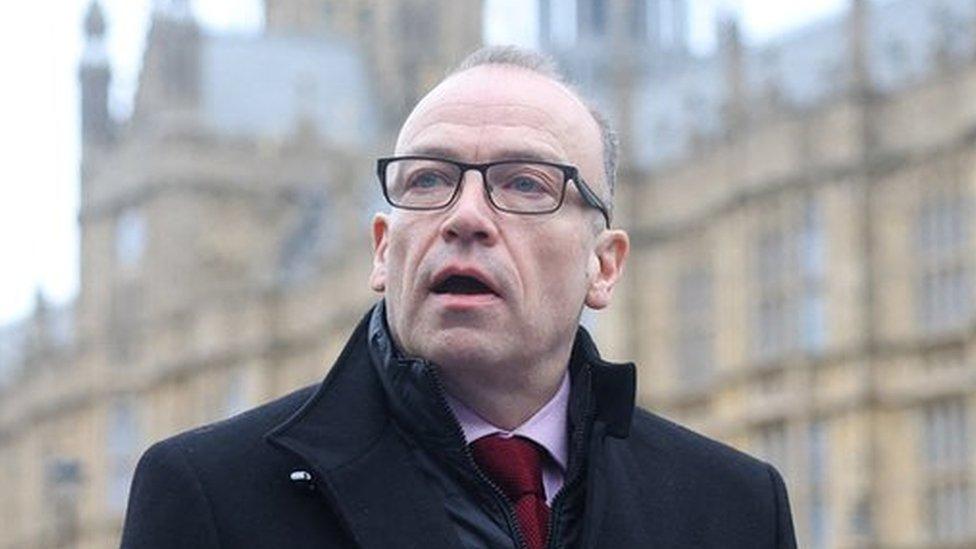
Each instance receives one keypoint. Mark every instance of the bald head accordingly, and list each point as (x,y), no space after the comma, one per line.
(499,98)
(532,63)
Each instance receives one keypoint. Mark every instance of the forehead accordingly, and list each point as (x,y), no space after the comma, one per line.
(490,112)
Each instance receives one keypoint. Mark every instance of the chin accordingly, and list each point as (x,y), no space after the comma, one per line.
(464,349)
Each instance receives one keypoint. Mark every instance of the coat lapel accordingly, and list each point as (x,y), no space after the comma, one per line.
(359,460)
(386,502)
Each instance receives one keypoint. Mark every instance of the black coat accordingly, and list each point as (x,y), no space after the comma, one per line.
(648,482)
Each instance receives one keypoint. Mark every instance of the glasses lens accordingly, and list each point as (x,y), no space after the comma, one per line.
(415,183)
(526,186)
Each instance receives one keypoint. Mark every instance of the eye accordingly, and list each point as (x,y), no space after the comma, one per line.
(525,184)
(529,184)
(428,180)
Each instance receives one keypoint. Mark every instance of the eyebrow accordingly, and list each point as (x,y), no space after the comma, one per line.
(504,154)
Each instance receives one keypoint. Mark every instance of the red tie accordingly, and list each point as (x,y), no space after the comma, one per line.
(515,465)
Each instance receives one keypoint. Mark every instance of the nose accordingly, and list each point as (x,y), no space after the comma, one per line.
(471,218)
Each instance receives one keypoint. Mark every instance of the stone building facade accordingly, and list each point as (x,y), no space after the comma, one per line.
(224,246)
(801,283)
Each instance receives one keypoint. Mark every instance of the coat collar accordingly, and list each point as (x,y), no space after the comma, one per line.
(609,386)
(347,434)
(361,464)
(613,385)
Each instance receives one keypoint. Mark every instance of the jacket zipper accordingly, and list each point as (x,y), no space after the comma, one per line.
(500,496)
(557,500)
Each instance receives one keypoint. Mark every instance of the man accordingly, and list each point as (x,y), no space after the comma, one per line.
(469,409)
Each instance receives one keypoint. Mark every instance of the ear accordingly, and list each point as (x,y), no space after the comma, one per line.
(609,255)
(377,278)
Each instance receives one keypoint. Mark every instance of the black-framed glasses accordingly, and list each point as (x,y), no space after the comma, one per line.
(528,187)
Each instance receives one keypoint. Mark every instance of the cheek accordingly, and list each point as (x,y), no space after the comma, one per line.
(398,267)
(560,273)
(403,260)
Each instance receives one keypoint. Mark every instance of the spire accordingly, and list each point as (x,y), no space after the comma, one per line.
(733,54)
(39,334)
(95,22)
(41,304)
(95,75)
(95,52)
(859,23)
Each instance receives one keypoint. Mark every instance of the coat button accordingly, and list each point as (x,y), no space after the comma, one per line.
(302,480)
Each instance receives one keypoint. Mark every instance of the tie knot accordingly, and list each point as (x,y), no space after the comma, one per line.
(513,463)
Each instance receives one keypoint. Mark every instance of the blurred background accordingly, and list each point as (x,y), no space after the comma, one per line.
(187,187)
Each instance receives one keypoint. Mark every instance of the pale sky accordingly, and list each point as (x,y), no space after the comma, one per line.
(40,44)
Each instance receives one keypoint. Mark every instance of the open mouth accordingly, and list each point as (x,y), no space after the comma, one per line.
(461,284)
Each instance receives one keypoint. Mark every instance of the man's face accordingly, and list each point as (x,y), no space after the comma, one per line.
(469,286)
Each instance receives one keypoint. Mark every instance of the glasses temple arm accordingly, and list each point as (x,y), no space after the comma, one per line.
(592,199)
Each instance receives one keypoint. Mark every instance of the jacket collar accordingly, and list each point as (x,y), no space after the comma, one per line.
(412,386)
(413,389)
(345,431)
(613,385)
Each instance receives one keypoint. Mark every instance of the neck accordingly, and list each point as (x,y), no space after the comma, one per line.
(505,403)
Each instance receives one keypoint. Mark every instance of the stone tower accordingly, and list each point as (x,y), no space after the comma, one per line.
(95,75)
(592,38)
(97,135)
(174,212)
(409,43)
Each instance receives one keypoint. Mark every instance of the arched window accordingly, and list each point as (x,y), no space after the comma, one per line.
(130,239)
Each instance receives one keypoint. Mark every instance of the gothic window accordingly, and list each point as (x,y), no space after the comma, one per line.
(818,515)
(312,237)
(946,456)
(775,319)
(790,270)
(944,286)
(62,479)
(122,449)
(130,239)
(813,322)
(695,331)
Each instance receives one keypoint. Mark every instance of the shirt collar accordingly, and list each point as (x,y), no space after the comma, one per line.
(547,427)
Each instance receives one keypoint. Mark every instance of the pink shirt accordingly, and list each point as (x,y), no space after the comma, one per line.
(547,428)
